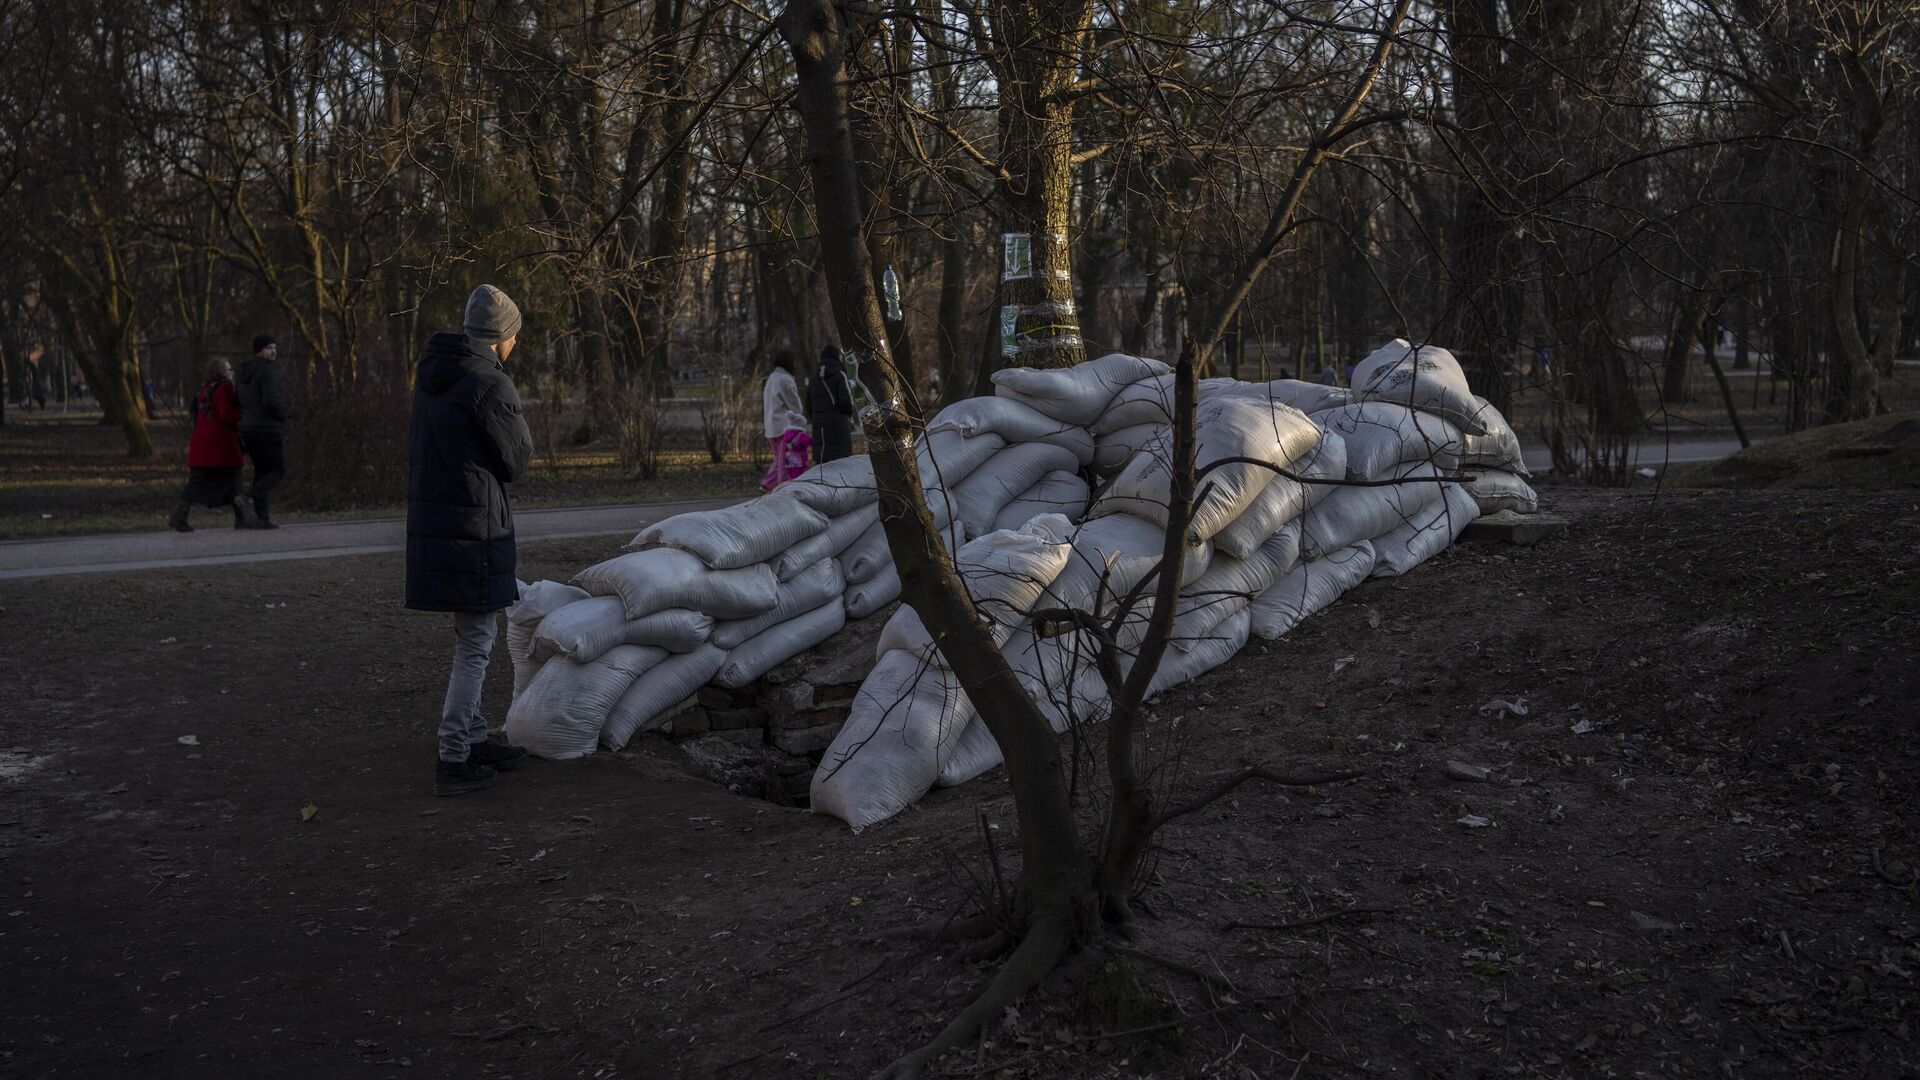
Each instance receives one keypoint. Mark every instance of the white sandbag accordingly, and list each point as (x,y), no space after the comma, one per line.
(1426,378)
(1062,493)
(583,630)
(1013,421)
(1202,655)
(807,590)
(1112,451)
(1004,573)
(1148,401)
(973,754)
(902,726)
(1224,428)
(655,694)
(1077,394)
(948,457)
(1499,448)
(1125,550)
(867,556)
(1353,514)
(1230,585)
(739,535)
(835,488)
(1308,397)
(565,706)
(978,499)
(779,643)
(1285,499)
(873,594)
(1426,535)
(1309,587)
(839,535)
(1382,435)
(660,578)
(1494,490)
(537,601)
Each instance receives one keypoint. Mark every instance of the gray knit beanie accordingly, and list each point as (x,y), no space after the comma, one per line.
(491,317)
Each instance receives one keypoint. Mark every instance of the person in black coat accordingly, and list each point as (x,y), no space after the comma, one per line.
(830,407)
(467,442)
(263,420)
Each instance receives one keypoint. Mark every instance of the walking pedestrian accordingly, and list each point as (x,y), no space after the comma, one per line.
(213,452)
(830,403)
(263,418)
(781,412)
(467,441)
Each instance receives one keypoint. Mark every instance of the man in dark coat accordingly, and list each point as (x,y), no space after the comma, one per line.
(263,418)
(466,443)
(830,407)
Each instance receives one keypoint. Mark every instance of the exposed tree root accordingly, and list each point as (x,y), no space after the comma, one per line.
(1046,943)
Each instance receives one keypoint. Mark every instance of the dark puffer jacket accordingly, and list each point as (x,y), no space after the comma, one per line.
(467,442)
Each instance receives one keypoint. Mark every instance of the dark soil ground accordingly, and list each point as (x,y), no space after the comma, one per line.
(1698,858)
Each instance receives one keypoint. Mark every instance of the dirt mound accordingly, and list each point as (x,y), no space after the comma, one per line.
(1872,455)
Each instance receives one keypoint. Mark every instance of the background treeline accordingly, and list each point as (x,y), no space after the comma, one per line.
(1606,185)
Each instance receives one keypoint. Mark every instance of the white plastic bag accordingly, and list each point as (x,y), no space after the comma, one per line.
(660,578)
(779,643)
(1062,493)
(839,535)
(1202,654)
(947,457)
(1426,378)
(1225,428)
(1230,585)
(835,487)
(1285,500)
(873,594)
(1353,514)
(1013,421)
(1426,535)
(1123,548)
(1005,574)
(1308,397)
(738,535)
(1494,490)
(903,724)
(1148,401)
(537,601)
(1112,451)
(979,498)
(565,706)
(1380,436)
(1309,587)
(1499,448)
(655,693)
(583,630)
(805,591)
(868,556)
(1078,394)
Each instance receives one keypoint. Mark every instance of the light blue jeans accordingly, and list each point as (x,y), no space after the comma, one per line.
(461,724)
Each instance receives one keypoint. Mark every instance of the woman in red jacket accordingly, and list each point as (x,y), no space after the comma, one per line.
(213,452)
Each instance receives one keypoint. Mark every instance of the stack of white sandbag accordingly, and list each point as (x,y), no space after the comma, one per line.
(1053,494)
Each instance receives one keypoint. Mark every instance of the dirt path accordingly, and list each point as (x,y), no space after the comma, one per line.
(1699,860)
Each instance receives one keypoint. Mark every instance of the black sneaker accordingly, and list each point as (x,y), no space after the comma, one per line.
(498,756)
(266,523)
(178,522)
(461,778)
(245,516)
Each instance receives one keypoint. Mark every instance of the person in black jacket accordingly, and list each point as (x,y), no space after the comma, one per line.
(830,407)
(467,441)
(263,418)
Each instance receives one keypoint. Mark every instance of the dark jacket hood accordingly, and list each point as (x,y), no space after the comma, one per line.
(251,370)
(450,358)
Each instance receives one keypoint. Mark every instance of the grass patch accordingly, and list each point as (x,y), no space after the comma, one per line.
(1868,455)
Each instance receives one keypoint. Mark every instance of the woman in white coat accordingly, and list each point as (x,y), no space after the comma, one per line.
(781,409)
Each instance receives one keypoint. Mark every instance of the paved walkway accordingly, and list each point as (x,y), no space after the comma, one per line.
(318,540)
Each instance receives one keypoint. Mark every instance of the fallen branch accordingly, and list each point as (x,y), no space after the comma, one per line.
(1252,772)
(1301,924)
